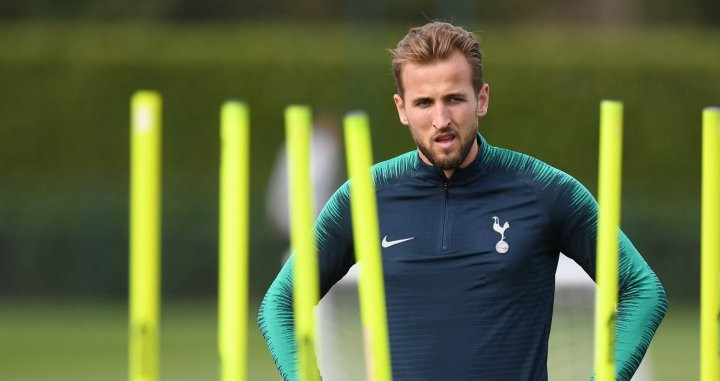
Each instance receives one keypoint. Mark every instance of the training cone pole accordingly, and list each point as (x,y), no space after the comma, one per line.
(234,240)
(145,170)
(710,247)
(609,185)
(366,235)
(306,286)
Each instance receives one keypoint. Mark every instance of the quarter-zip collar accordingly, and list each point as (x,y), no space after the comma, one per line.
(460,176)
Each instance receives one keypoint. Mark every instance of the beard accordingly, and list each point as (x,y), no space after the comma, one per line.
(451,160)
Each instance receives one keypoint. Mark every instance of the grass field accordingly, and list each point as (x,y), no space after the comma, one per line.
(82,341)
(74,341)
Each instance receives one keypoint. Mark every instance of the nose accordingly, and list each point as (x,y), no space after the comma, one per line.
(441,119)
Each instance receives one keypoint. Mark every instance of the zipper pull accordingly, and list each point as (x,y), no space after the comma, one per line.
(445,187)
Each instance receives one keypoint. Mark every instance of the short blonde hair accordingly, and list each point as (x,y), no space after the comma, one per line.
(433,42)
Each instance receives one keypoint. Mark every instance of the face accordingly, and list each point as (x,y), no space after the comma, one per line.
(441,108)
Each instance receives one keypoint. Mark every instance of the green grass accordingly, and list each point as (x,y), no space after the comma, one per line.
(73,341)
(676,348)
(80,341)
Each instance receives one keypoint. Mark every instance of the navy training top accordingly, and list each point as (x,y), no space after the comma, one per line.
(469,268)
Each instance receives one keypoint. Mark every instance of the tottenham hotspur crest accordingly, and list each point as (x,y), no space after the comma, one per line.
(502,247)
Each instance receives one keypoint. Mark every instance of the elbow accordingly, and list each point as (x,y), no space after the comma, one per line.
(276,308)
(656,300)
(646,294)
(662,300)
(261,312)
(267,312)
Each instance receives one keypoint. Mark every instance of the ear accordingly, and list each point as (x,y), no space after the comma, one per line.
(483,99)
(400,109)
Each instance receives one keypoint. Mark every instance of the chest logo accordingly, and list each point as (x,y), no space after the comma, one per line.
(386,243)
(501,247)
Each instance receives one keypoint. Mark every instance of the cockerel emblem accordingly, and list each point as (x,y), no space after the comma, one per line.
(502,247)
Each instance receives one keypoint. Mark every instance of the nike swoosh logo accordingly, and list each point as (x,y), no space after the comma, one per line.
(386,243)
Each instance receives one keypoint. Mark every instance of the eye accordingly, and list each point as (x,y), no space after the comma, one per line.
(423,103)
(457,99)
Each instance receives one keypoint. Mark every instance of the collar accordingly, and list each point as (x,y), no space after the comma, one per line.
(461,175)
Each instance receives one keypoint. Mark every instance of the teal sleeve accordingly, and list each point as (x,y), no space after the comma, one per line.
(276,322)
(642,302)
(333,236)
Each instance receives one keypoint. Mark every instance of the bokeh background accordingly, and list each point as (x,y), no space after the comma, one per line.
(68,69)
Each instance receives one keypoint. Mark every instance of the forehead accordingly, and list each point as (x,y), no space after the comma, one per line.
(449,75)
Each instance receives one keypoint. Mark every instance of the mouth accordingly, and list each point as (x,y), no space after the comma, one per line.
(445,140)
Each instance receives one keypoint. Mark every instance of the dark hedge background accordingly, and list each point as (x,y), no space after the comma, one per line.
(65,87)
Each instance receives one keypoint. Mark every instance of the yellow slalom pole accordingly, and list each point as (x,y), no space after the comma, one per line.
(710,247)
(610,170)
(145,235)
(306,286)
(367,250)
(234,240)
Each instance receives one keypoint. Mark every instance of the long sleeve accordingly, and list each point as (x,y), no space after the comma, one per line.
(333,235)
(642,302)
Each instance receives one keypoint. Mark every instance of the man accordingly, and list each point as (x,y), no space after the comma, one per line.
(471,237)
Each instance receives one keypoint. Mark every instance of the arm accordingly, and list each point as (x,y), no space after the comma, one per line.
(642,302)
(333,234)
